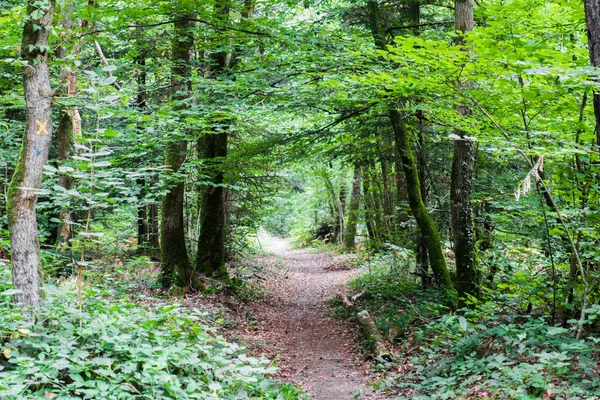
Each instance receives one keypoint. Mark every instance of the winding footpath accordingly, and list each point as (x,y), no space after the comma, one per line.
(316,351)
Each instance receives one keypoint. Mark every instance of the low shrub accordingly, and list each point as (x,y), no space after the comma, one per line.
(97,346)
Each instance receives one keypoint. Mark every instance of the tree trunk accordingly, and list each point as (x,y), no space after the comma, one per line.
(142,216)
(27,179)
(421,244)
(467,270)
(341,224)
(352,218)
(411,173)
(141,103)
(415,200)
(210,257)
(153,227)
(175,264)
(592,19)
(69,128)
(368,206)
(387,192)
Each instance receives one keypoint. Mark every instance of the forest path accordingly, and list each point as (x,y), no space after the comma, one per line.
(316,351)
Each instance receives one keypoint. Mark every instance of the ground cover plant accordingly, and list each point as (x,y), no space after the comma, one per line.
(101,343)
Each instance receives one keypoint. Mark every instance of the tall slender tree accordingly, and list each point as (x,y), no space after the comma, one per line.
(175,263)
(210,257)
(27,179)
(69,125)
(592,19)
(353,209)
(463,230)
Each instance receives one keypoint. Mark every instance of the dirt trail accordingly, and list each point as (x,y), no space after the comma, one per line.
(317,352)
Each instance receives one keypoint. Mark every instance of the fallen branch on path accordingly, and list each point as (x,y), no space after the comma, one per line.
(371,333)
(368,327)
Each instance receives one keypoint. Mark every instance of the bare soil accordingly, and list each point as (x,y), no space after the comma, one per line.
(315,350)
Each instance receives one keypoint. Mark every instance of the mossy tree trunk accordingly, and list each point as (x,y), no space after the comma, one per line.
(403,148)
(353,209)
(463,229)
(175,263)
(426,225)
(27,179)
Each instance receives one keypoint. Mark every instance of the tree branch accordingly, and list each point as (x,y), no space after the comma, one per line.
(399,28)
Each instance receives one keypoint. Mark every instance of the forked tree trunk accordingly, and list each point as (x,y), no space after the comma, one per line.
(592,19)
(27,179)
(352,218)
(175,263)
(463,229)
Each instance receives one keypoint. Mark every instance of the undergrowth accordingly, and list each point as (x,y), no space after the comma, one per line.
(105,345)
(496,349)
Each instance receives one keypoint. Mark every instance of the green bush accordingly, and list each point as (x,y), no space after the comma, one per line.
(107,348)
(496,349)
(503,354)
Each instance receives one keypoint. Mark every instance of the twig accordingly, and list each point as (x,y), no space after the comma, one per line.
(359,295)
(101,54)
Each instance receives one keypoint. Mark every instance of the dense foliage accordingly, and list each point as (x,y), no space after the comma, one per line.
(104,344)
(178,129)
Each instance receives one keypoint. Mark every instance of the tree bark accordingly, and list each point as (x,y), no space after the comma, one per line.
(387,200)
(592,20)
(341,207)
(153,227)
(175,263)
(352,218)
(69,128)
(27,179)
(421,243)
(415,200)
(366,186)
(210,257)
(141,103)
(467,270)
(371,334)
